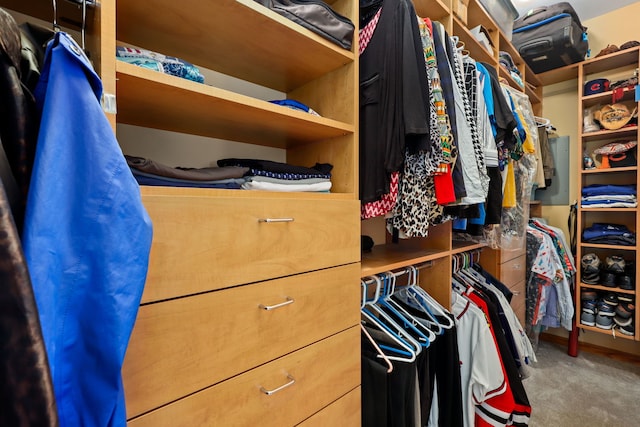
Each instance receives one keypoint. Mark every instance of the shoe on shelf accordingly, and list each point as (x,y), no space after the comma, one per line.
(611,299)
(590,263)
(625,310)
(588,295)
(621,321)
(588,319)
(605,309)
(629,330)
(625,298)
(604,322)
(589,306)
(625,281)
(608,279)
(615,264)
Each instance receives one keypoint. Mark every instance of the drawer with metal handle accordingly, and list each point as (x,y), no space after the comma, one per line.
(283,392)
(184,345)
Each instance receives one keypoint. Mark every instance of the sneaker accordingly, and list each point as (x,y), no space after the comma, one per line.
(588,319)
(630,329)
(620,321)
(590,263)
(604,322)
(608,279)
(611,299)
(624,298)
(625,281)
(588,295)
(589,306)
(625,310)
(605,309)
(615,264)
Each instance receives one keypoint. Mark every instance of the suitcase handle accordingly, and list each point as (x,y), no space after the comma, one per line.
(536,47)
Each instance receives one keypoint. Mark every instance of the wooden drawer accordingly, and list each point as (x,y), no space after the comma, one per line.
(322,372)
(344,412)
(508,255)
(184,345)
(512,272)
(206,243)
(519,300)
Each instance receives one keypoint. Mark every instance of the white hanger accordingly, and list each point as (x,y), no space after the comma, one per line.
(378,349)
(373,321)
(435,305)
(430,336)
(392,323)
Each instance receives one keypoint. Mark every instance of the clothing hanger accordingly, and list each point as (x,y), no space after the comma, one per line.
(427,336)
(431,302)
(56,27)
(378,349)
(398,324)
(404,352)
(83,28)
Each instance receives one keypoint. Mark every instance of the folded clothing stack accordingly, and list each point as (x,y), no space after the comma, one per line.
(609,196)
(609,234)
(149,172)
(159,62)
(275,176)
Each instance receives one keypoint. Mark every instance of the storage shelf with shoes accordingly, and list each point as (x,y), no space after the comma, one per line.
(608,217)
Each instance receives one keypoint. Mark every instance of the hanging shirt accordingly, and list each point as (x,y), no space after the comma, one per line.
(86,240)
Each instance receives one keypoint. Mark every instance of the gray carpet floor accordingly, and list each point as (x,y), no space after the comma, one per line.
(590,390)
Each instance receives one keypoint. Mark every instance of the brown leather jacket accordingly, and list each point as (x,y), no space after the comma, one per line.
(26,393)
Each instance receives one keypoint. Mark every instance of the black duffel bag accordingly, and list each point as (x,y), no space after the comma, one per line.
(317,16)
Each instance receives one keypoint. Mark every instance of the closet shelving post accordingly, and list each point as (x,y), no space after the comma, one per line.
(621,63)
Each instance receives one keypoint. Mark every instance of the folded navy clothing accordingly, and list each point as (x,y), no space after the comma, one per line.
(163,182)
(319,170)
(613,240)
(609,233)
(608,190)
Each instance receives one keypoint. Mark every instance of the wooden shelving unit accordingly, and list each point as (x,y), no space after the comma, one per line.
(585,71)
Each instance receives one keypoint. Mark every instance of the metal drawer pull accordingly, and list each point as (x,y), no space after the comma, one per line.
(276,220)
(273,307)
(275,390)
(516,293)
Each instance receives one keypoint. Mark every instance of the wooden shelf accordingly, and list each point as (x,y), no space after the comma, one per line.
(612,247)
(583,209)
(591,66)
(460,246)
(476,50)
(156,100)
(558,75)
(192,192)
(512,82)
(611,170)
(612,61)
(507,46)
(607,288)
(606,97)
(625,132)
(477,15)
(393,256)
(433,9)
(250,42)
(533,97)
(606,332)
(530,76)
